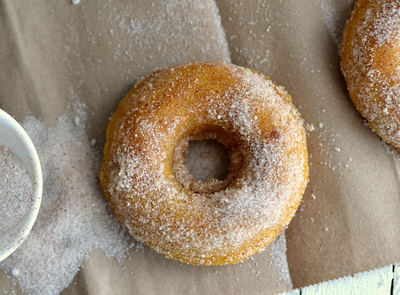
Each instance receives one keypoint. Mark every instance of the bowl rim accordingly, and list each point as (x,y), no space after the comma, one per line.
(18,234)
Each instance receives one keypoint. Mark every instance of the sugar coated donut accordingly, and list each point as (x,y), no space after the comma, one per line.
(370,63)
(219,221)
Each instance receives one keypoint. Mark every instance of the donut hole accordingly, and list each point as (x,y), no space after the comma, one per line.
(205,162)
(207,159)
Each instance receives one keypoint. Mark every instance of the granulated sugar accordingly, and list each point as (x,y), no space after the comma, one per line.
(74,215)
(332,20)
(15,190)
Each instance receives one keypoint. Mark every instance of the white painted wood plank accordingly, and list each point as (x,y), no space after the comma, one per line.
(396,279)
(374,282)
(292,292)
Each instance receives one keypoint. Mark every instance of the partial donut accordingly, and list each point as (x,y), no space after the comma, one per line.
(370,63)
(150,190)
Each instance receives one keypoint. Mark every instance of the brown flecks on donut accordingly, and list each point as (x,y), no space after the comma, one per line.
(274,134)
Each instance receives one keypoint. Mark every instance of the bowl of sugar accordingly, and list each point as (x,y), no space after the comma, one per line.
(20,185)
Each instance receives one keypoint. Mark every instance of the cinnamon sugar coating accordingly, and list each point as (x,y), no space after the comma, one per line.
(370,63)
(219,221)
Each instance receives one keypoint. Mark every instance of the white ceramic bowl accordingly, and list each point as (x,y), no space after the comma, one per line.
(13,136)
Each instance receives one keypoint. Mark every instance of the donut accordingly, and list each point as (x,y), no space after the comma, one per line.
(211,222)
(370,62)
